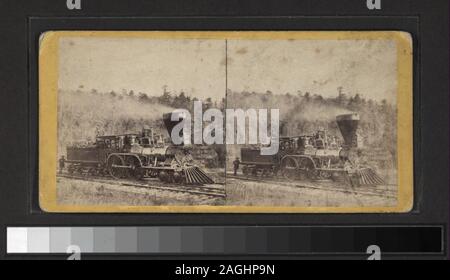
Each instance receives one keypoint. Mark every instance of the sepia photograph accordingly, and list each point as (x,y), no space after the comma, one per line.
(115,100)
(229,122)
(338,122)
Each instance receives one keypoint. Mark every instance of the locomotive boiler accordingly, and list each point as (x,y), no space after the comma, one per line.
(318,156)
(136,156)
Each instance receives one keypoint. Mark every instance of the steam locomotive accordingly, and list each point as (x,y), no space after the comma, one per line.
(315,157)
(136,156)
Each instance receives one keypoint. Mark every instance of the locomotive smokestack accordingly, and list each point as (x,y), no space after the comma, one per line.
(348,125)
(283,129)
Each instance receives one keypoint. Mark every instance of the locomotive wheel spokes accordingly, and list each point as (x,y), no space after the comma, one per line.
(153,174)
(71,170)
(178,177)
(325,175)
(163,176)
(275,171)
(290,168)
(339,177)
(79,170)
(91,171)
(166,176)
(350,180)
(115,167)
(245,170)
(307,169)
(313,174)
(255,172)
(104,171)
(355,180)
(135,170)
(171,177)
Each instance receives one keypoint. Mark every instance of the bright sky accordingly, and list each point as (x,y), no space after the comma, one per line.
(367,67)
(144,65)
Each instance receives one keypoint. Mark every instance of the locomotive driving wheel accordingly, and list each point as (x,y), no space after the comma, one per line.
(307,169)
(245,171)
(325,175)
(116,167)
(289,168)
(134,170)
(71,169)
(178,177)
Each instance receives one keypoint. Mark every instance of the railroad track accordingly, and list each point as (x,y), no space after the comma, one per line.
(216,192)
(212,192)
(370,191)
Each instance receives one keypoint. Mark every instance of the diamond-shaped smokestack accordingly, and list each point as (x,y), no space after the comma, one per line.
(348,125)
(167,118)
(284,129)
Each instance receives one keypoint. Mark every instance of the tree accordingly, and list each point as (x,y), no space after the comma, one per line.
(143,97)
(208,103)
(181,101)
(319,98)
(307,96)
(166,99)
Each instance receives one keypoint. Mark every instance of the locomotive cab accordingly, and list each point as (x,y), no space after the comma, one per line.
(109,142)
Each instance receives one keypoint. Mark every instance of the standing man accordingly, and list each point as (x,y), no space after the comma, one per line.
(236,164)
(62,164)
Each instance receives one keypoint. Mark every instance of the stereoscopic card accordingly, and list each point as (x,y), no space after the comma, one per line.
(228,122)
